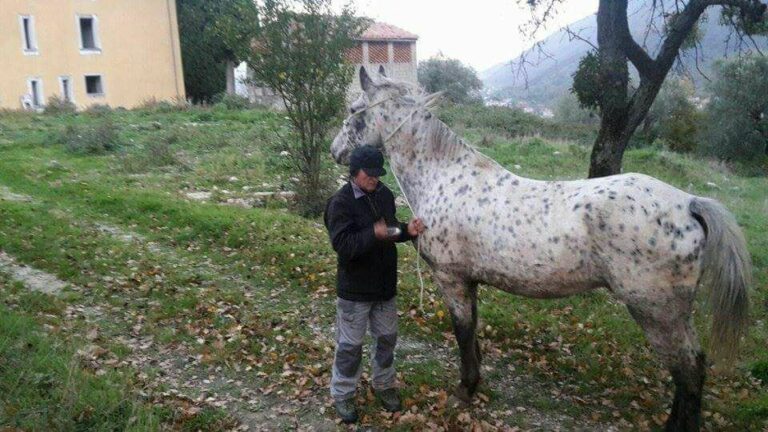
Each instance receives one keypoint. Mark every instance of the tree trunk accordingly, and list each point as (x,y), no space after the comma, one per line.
(614,80)
(608,152)
(230,77)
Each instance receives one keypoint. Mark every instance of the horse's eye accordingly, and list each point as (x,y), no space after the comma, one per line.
(351,110)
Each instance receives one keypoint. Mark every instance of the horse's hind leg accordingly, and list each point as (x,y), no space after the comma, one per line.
(461,298)
(672,335)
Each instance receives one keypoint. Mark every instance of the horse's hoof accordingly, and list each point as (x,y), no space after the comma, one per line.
(456,402)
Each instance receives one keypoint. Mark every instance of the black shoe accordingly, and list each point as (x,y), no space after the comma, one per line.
(346,410)
(390,399)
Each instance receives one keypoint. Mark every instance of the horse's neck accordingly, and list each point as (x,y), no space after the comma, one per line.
(421,152)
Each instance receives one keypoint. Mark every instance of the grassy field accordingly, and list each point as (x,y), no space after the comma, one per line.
(214,314)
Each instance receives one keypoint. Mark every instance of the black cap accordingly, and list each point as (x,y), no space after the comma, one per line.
(369,159)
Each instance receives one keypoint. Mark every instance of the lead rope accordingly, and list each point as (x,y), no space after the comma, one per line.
(418,241)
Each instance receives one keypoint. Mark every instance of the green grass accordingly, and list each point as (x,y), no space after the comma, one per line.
(253,283)
(43,386)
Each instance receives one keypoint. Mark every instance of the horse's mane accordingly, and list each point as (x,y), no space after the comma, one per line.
(441,138)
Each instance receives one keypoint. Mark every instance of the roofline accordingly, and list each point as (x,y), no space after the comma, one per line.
(368,39)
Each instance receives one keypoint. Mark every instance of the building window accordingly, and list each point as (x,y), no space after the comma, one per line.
(401,52)
(89,35)
(378,52)
(354,55)
(93,85)
(66,88)
(28,37)
(35,92)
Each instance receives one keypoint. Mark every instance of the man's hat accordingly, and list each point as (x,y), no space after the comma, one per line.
(369,159)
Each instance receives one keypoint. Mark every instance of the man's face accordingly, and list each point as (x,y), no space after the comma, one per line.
(366,182)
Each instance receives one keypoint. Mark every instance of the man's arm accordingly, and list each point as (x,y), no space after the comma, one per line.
(347,240)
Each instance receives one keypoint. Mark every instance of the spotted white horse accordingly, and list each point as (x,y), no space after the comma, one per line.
(649,243)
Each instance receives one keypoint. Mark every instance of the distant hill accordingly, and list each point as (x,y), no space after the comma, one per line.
(549,78)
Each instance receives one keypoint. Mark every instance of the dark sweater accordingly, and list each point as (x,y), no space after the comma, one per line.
(367,267)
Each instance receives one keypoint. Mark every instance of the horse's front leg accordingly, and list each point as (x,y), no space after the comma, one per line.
(461,298)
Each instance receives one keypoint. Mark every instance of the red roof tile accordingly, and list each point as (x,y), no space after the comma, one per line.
(383,31)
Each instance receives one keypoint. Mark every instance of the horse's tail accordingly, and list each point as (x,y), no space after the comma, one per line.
(727,271)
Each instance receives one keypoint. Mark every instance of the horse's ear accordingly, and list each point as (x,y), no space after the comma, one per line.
(382,72)
(365,81)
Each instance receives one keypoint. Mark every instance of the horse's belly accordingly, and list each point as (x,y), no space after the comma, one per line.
(539,281)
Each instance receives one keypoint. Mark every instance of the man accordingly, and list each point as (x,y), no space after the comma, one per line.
(361,222)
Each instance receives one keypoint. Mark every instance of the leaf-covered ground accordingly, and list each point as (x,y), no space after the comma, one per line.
(196,301)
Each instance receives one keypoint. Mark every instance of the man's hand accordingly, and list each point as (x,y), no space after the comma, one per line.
(415,227)
(380,229)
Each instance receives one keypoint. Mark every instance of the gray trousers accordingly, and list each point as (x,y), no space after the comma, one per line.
(352,319)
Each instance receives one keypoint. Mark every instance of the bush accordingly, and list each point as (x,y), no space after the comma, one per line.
(98,110)
(157,106)
(569,111)
(673,118)
(160,153)
(736,126)
(100,138)
(155,153)
(57,106)
(231,101)
(759,370)
(513,123)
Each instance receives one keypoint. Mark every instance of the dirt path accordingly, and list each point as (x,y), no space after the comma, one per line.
(33,279)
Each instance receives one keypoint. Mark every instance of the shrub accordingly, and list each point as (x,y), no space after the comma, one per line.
(98,109)
(156,106)
(569,111)
(736,126)
(512,122)
(158,152)
(673,117)
(57,105)
(759,370)
(231,101)
(99,138)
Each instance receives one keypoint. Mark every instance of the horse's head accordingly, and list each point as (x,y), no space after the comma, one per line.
(373,115)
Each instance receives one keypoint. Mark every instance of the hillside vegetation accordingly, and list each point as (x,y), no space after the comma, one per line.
(196,301)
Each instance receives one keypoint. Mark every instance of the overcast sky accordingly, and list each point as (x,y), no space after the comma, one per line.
(480,33)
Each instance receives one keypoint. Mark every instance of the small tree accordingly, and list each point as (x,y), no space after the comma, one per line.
(736,126)
(300,54)
(459,82)
(673,117)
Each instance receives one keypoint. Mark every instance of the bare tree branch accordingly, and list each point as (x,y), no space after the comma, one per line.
(520,66)
(572,35)
(696,47)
